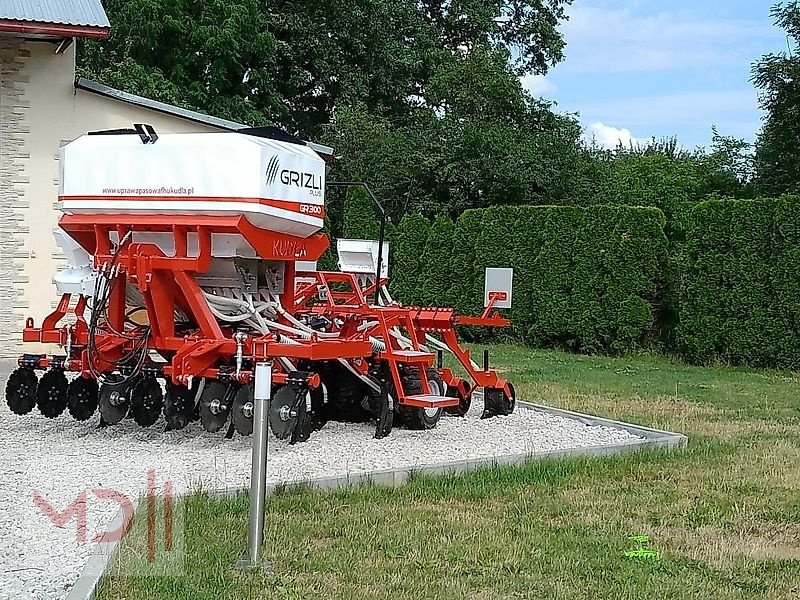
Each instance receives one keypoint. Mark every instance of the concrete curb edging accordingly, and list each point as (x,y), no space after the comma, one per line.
(86,585)
(89,578)
(672,439)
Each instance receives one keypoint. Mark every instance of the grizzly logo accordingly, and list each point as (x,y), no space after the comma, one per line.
(273,166)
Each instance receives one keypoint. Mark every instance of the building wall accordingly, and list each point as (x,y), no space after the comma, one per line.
(40,110)
(14,105)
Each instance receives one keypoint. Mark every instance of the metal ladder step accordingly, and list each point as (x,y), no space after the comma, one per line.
(412,356)
(429,401)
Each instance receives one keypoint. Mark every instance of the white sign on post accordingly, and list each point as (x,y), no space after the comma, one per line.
(498,284)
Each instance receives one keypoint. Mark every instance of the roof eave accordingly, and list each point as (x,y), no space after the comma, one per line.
(55,30)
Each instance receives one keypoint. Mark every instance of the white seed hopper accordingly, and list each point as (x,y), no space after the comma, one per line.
(277,186)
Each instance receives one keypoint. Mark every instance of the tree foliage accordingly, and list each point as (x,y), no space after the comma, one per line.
(436,258)
(294,63)
(585,279)
(482,146)
(466,287)
(740,284)
(778,77)
(360,219)
(213,56)
(421,99)
(409,240)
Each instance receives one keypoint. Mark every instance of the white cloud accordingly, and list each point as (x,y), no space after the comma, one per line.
(538,85)
(622,40)
(607,136)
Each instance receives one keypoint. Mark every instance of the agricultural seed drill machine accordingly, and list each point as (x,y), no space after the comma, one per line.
(191,258)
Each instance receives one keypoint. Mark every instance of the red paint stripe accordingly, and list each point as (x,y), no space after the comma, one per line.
(301,208)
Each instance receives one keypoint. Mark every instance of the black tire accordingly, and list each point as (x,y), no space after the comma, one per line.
(179,407)
(21,391)
(51,395)
(420,418)
(82,398)
(347,395)
(318,408)
(464,402)
(147,401)
(510,403)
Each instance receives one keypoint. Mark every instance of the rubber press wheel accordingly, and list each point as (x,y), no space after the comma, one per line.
(51,395)
(82,395)
(21,391)
(147,401)
(421,418)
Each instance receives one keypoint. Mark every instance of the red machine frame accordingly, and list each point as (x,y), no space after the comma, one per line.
(168,283)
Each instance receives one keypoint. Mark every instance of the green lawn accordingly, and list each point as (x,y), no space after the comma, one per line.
(724,513)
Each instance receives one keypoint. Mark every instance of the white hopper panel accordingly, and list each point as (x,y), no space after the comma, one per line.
(276,185)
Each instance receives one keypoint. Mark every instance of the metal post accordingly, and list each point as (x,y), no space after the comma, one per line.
(258,479)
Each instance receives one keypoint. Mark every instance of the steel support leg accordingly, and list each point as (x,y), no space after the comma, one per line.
(258,479)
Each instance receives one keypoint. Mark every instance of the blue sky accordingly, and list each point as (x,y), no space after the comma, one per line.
(657,68)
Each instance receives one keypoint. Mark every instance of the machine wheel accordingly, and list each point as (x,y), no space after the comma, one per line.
(51,395)
(281,420)
(114,401)
(347,396)
(421,418)
(464,402)
(496,402)
(509,403)
(82,398)
(21,391)
(178,406)
(147,401)
(215,405)
(318,407)
(243,407)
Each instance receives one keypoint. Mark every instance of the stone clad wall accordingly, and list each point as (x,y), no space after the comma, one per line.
(14,156)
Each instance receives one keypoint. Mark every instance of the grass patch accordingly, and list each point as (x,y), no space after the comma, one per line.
(724,513)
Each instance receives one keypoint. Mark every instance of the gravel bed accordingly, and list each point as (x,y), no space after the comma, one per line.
(61,458)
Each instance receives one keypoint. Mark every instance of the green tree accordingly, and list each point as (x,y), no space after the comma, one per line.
(778,77)
(360,219)
(524,29)
(466,289)
(728,169)
(671,183)
(660,173)
(436,259)
(482,140)
(291,63)
(410,238)
(208,55)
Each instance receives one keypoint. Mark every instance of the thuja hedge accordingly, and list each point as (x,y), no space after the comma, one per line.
(740,289)
(587,279)
(600,279)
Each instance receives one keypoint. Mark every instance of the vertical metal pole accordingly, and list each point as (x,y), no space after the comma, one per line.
(258,478)
(380,256)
